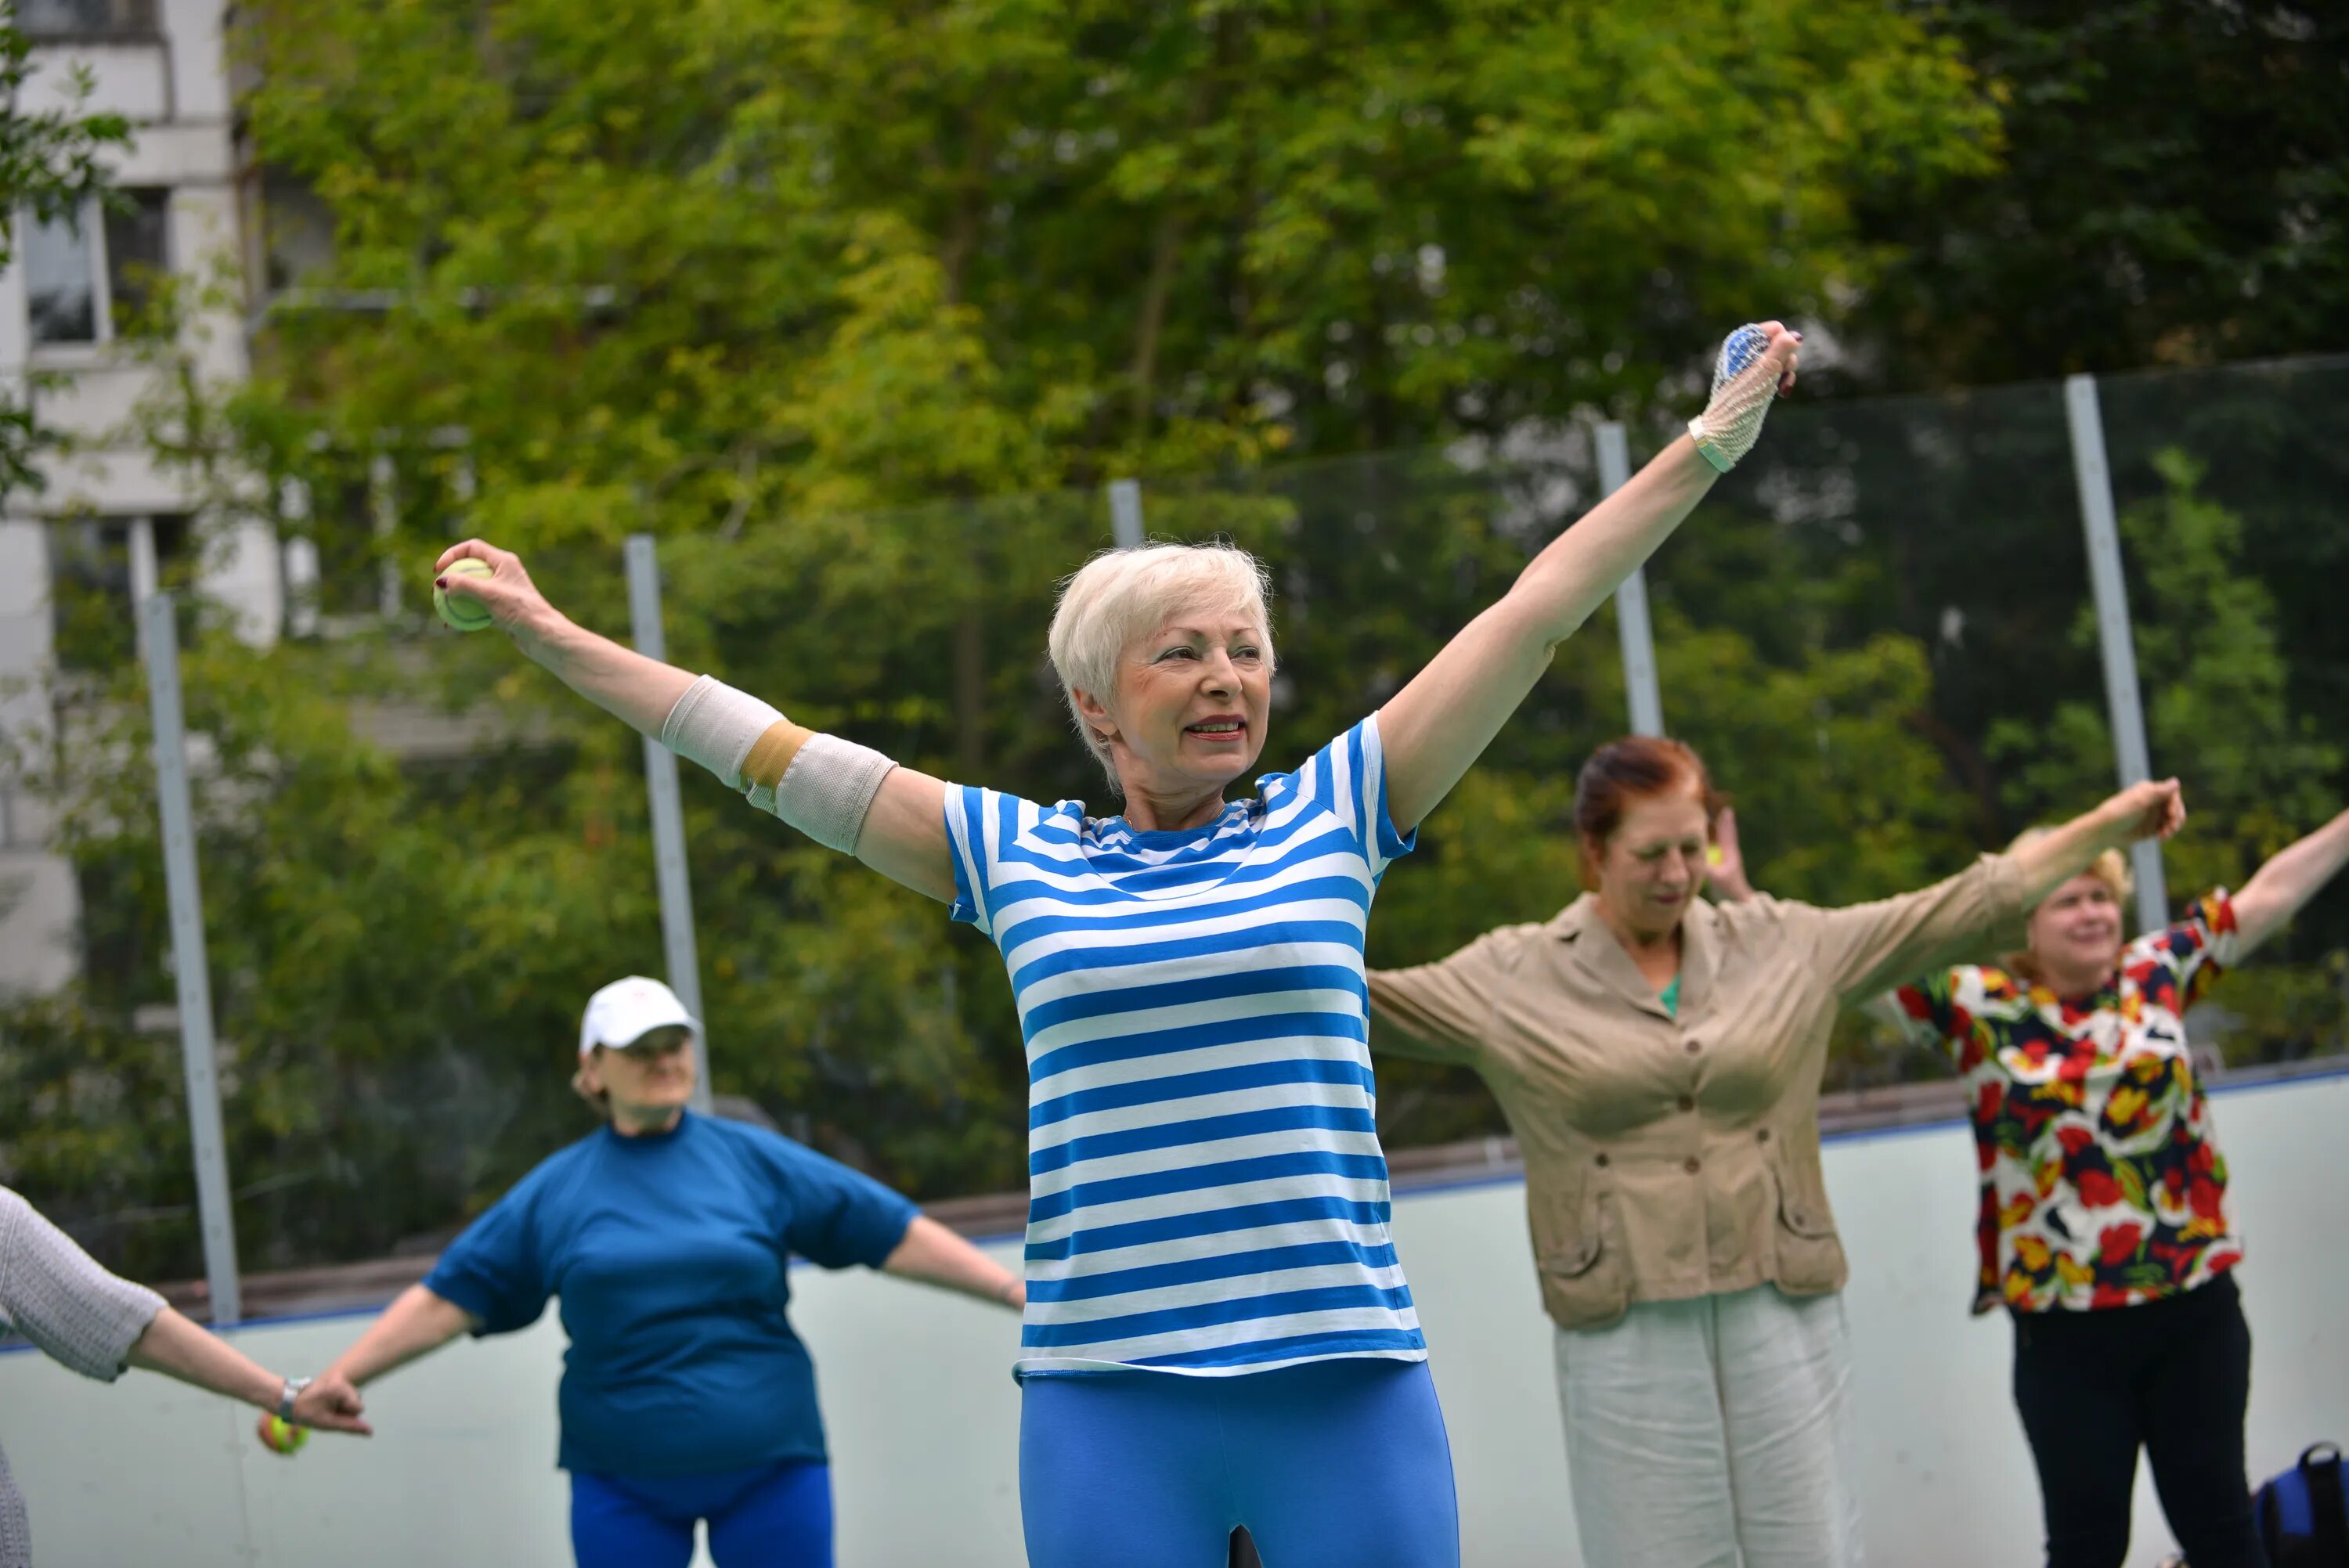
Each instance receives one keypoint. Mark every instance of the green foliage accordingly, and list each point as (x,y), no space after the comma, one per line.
(2217,708)
(2259,772)
(741,260)
(371,1064)
(2174,189)
(835,299)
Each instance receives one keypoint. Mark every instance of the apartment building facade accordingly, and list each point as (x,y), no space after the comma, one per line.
(112,522)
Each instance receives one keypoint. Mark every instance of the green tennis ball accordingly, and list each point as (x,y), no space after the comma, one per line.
(283,1437)
(463,613)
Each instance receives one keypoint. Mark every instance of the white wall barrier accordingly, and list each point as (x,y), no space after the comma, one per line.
(923,1416)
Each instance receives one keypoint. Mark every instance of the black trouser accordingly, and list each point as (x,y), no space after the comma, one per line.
(2172,1376)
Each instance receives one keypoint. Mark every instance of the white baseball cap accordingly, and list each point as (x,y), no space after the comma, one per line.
(624,1012)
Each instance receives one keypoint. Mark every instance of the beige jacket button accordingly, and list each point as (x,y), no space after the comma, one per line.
(1688,1102)
(1602,1162)
(1690,1046)
(1761,1135)
(1694,1165)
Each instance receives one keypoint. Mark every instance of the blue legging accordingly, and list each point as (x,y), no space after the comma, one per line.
(776,1516)
(1333,1464)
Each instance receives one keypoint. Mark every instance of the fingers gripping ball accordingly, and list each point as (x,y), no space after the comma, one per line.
(281,1436)
(463,611)
(1743,388)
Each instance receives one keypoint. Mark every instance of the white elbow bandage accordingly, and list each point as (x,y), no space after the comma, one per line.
(820,784)
(716,726)
(828,788)
(1744,385)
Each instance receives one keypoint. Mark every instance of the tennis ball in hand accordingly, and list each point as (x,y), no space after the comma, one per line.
(463,613)
(282,1436)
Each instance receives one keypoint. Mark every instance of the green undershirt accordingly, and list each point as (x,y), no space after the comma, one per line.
(1671,997)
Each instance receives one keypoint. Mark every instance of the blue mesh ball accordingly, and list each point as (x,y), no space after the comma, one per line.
(1739,349)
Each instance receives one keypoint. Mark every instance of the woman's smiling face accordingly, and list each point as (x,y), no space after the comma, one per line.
(1189,714)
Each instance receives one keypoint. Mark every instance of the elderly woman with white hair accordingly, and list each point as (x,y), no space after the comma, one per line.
(1217,1332)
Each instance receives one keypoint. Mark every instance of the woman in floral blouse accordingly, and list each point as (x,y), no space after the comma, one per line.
(2104,1224)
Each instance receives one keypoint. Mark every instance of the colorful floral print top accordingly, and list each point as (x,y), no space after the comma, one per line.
(2102,1183)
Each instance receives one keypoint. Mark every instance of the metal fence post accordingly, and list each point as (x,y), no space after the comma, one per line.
(208,1146)
(2122,700)
(1125,513)
(1641,687)
(668,817)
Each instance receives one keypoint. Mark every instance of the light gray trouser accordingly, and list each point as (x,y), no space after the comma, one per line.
(1714,1433)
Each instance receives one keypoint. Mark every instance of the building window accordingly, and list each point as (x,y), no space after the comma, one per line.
(90,274)
(103,570)
(60,281)
(49,20)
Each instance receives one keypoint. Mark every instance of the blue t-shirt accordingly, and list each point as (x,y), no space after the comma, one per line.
(668,1250)
(1207,1190)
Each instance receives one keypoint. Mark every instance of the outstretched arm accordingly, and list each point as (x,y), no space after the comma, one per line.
(902,833)
(937,1255)
(2154,809)
(94,1321)
(416,1323)
(1863,948)
(1433,729)
(2289,880)
(179,1348)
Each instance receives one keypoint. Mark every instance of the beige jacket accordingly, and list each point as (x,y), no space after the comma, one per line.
(1670,1157)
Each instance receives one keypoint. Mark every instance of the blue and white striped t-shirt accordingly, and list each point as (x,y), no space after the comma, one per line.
(1207,1192)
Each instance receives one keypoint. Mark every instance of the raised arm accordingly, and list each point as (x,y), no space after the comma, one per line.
(2154,809)
(1863,948)
(2289,880)
(1433,729)
(891,817)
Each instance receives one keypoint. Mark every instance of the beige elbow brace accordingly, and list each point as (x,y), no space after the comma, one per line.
(820,784)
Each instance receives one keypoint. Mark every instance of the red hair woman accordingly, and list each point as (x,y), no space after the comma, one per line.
(1659,1057)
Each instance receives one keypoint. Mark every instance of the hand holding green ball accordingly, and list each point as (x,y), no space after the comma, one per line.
(463,613)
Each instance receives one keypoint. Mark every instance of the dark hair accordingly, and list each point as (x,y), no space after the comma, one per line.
(1624,772)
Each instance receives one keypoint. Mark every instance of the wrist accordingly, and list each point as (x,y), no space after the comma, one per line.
(2111,826)
(2119,833)
(264,1389)
(545,633)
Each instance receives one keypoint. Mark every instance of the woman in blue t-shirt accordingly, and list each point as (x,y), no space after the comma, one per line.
(1217,1332)
(666,1236)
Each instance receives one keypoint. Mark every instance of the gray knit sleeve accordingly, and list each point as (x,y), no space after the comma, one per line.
(58,1296)
(16,1537)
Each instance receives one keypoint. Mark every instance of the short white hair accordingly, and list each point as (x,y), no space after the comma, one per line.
(1121,594)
